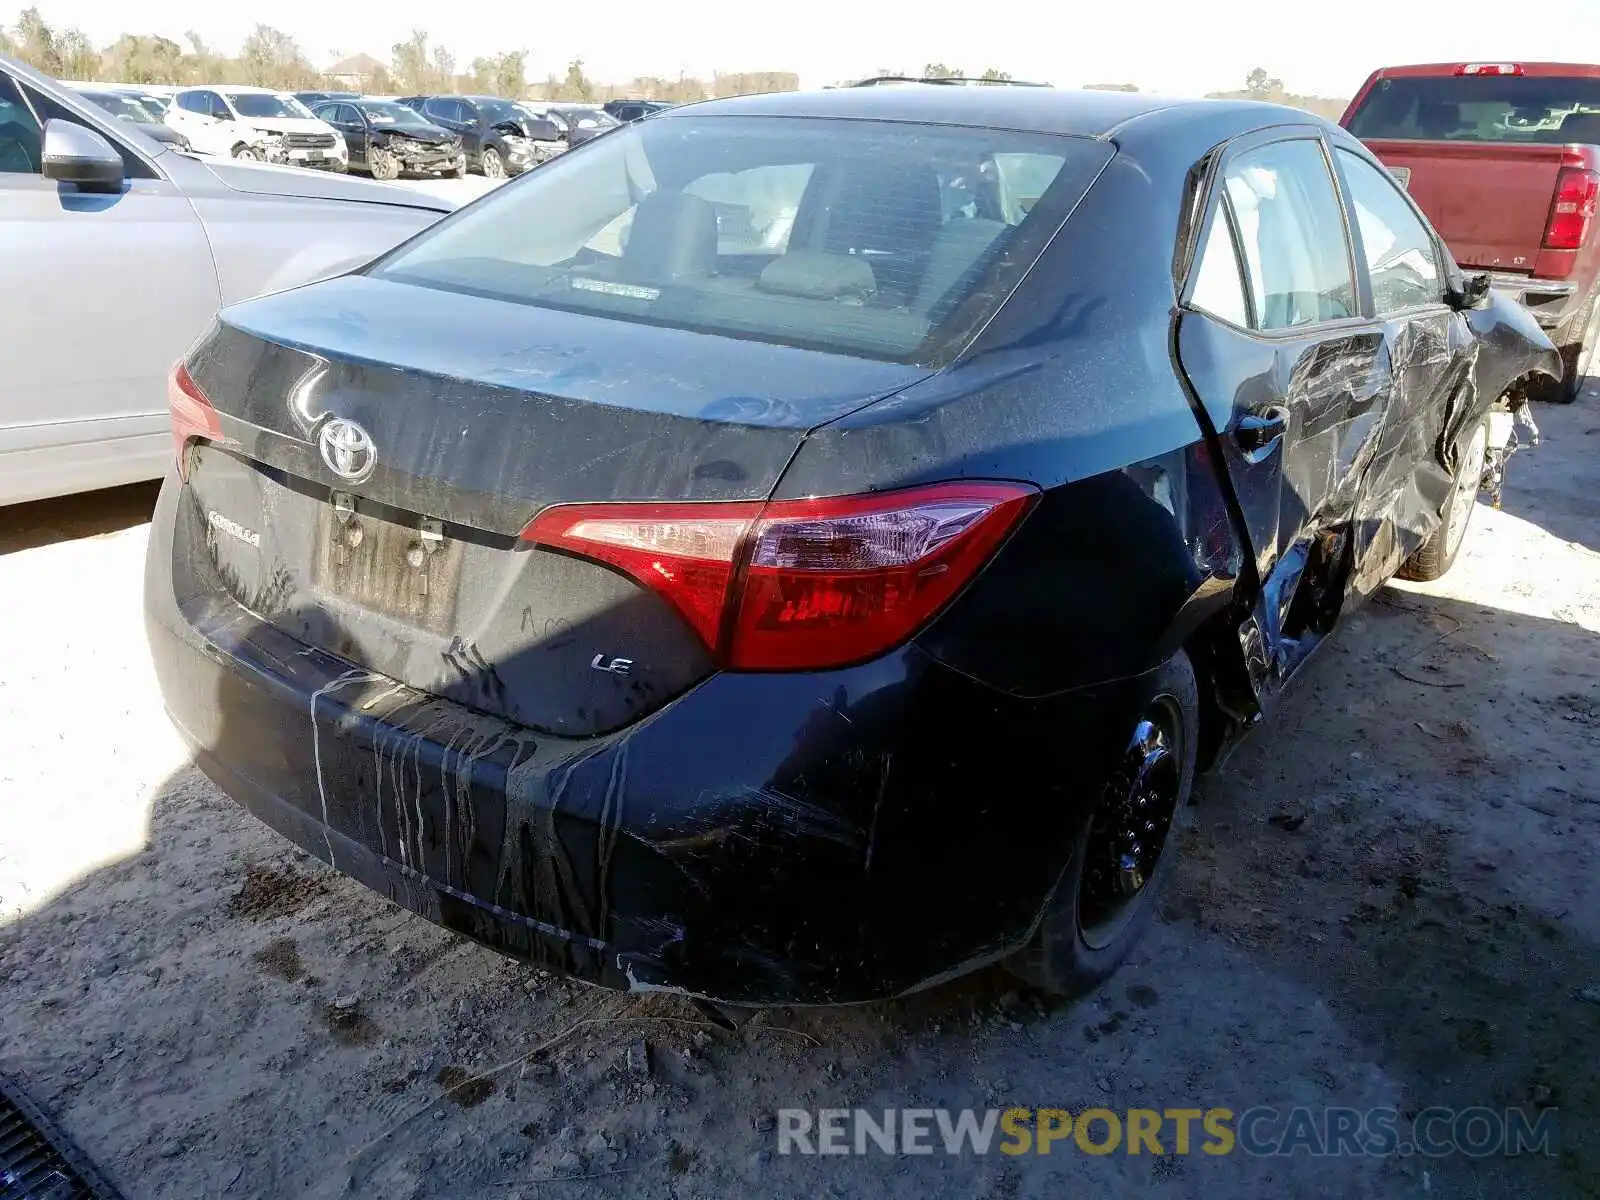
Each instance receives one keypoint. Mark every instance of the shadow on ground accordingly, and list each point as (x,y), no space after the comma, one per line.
(1553,484)
(1389,897)
(89,514)
(218,1014)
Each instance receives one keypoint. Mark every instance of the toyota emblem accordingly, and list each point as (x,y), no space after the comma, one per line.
(347,449)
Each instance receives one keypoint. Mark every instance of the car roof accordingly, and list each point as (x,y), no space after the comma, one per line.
(1031,109)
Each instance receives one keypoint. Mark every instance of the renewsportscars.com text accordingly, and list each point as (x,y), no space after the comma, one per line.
(1261,1131)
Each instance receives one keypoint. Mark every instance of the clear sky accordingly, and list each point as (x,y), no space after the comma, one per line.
(1160,45)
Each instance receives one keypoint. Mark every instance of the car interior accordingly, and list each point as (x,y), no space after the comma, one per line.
(19,134)
(862,248)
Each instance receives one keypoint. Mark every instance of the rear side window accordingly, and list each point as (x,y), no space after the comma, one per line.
(1399,250)
(1550,110)
(194,102)
(1218,284)
(1297,261)
(889,240)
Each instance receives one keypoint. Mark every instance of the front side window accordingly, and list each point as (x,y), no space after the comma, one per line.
(20,140)
(1397,246)
(1297,261)
(842,235)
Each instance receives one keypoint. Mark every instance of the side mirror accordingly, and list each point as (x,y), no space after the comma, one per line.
(74,153)
(1467,291)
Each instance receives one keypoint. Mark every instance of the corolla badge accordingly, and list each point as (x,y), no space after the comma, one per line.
(347,449)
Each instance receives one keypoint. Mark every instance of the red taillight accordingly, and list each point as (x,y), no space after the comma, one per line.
(1577,195)
(192,415)
(1489,69)
(834,581)
(799,584)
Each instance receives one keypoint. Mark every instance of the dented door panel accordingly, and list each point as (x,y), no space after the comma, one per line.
(1361,472)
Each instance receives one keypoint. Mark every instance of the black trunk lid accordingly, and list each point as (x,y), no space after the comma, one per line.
(478,414)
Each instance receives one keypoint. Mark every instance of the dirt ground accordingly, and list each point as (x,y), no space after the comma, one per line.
(1389,898)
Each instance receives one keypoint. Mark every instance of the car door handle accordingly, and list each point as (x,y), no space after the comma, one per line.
(1259,429)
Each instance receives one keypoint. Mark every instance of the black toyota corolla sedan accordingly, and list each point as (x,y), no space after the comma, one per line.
(799,547)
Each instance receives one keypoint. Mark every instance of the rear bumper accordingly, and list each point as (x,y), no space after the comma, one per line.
(797,838)
(1551,301)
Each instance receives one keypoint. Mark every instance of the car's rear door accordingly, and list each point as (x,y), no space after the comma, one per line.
(349,124)
(1291,373)
(85,343)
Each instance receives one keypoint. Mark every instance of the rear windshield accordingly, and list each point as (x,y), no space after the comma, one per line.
(119,106)
(1550,110)
(888,240)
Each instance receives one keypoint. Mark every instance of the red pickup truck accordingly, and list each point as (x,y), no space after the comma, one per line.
(1505,160)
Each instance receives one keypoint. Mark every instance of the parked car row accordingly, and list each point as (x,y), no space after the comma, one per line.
(498,138)
(387,139)
(384,136)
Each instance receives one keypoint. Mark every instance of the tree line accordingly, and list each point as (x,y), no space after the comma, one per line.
(268,57)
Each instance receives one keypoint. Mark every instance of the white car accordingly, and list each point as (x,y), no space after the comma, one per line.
(117,251)
(256,124)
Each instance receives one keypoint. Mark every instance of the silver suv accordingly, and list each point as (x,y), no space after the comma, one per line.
(117,252)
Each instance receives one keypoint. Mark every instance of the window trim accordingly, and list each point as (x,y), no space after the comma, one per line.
(1353,224)
(25,90)
(1215,194)
(1222,210)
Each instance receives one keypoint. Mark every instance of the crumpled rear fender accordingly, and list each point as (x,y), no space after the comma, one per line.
(1512,346)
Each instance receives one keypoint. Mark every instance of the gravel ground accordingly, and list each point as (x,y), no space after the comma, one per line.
(1391,898)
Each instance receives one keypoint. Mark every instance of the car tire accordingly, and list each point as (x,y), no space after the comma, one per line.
(383,165)
(493,165)
(1578,352)
(246,153)
(1105,896)
(1438,554)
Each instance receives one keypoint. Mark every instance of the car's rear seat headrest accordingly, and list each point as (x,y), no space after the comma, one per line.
(818,276)
(673,237)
